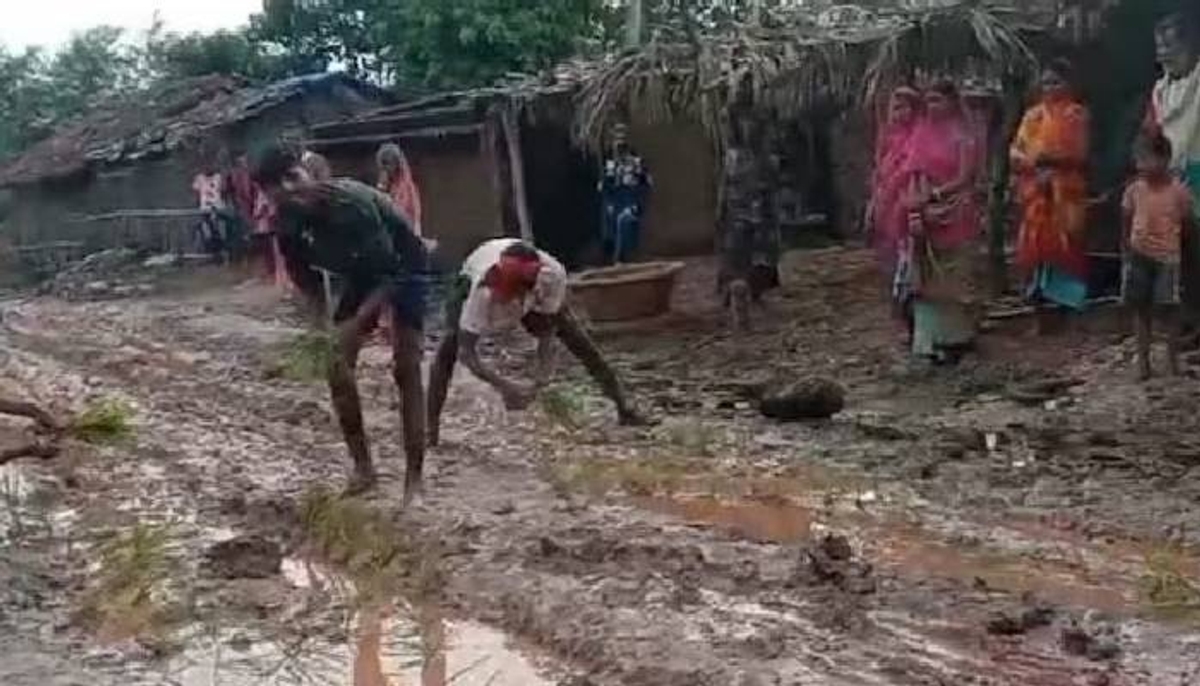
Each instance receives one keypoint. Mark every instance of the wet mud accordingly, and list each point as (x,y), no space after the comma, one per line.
(1025,519)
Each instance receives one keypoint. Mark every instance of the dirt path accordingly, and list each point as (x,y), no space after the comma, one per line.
(982,524)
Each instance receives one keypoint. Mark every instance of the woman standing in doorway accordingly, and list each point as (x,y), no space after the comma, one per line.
(1049,157)
(887,215)
(938,269)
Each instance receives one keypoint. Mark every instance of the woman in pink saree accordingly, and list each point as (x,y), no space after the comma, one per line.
(887,216)
(936,272)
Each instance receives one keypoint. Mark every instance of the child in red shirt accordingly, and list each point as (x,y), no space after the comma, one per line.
(1157,210)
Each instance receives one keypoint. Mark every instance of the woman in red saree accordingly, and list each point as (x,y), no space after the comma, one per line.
(887,215)
(1049,157)
(938,262)
(396,180)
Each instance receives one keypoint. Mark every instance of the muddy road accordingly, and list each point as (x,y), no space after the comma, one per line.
(1028,518)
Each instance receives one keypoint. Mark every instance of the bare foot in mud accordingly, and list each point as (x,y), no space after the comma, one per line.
(635,418)
(360,483)
(414,494)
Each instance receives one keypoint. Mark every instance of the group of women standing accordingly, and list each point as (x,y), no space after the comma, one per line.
(926,214)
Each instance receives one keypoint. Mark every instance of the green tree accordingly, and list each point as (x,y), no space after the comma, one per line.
(315,34)
(434,43)
(37,92)
(26,107)
(470,42)
(234,53)
(94,65)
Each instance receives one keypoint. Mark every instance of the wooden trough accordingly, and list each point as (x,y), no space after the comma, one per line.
(627,291)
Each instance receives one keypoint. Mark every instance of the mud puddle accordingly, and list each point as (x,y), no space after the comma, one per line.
(1016,560)
(389,645)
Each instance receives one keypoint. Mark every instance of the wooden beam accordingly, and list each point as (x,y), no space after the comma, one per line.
(435,132)
(139,214)
(512,137)
(397,122)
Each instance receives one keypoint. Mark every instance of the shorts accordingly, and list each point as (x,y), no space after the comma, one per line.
(1146,282)
(406,295)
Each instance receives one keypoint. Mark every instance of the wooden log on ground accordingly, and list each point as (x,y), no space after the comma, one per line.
(19,408)
(43,448)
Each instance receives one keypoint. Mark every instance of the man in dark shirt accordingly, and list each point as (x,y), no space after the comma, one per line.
(353,231)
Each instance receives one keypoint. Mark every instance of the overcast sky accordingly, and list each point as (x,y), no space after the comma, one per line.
(50,22)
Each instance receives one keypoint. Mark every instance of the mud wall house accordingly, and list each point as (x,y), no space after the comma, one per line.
(505,161)
(122,173)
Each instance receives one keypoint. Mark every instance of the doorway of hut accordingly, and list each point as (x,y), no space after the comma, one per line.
(564,205)
(807,201)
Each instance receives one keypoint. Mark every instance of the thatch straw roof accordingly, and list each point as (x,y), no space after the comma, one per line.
(801,63)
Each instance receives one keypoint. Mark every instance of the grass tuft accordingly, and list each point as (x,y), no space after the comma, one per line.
(1166,587)
(563,405)
(131,594)
(382,559)
(307,357)
(105,422)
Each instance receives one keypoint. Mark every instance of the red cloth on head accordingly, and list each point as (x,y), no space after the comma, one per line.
(513,275)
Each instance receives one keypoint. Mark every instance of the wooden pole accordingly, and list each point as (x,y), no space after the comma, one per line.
(512,137)
(998,197)
(756,13)
(635,18)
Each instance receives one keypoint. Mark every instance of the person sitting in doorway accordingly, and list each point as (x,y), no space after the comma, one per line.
(352,230)
(502,283)
(624,186)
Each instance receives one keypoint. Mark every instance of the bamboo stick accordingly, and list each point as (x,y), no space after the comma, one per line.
(512,137)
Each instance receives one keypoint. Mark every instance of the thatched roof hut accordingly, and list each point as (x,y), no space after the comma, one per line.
(798,63)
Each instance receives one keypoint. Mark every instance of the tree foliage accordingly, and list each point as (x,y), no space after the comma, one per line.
(412,44)
(469,42)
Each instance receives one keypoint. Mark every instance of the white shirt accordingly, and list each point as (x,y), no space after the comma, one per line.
(1177,104)
(482,314)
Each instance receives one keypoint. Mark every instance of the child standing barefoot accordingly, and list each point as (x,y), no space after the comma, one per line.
(1157,211)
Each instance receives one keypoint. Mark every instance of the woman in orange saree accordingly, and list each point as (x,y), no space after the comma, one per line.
(1049,157)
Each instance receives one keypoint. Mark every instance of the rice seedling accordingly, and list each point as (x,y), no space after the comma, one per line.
(380,558)
(103,422)
(131,596)
(307,357)
(563,405)
(1166,587)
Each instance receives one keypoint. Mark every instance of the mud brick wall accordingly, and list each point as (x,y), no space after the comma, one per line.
(682,215)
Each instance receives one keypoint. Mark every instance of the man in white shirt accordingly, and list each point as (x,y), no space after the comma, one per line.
(507,282)
(1175,112)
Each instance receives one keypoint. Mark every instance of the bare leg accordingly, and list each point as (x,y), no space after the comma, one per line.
(439,383)
(1173,325)
(343,389)
(584,349)
(406,369)
(739,305)
(1142,318)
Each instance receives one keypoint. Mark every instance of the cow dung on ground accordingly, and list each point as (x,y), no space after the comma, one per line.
(802,400)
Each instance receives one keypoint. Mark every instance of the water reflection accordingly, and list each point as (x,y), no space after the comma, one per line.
(394,644)
(448,652)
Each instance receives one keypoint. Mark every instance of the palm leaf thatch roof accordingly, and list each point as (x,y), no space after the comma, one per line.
(802,63)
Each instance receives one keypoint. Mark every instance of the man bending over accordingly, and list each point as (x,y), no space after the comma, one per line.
(503,283)
(353,231)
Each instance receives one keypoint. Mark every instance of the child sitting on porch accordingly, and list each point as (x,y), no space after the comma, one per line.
(1158,210)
